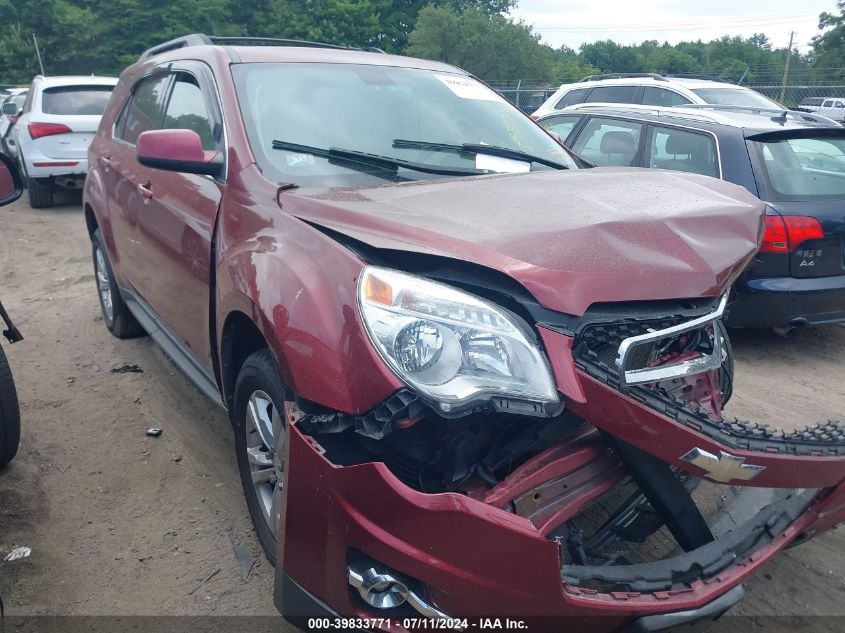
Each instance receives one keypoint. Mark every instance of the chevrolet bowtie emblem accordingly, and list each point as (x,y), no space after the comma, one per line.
(724,468)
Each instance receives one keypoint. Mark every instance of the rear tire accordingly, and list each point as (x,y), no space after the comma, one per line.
(10,415)
(40,195)
(116,315)
(258,418)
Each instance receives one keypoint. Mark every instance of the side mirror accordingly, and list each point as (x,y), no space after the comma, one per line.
(10,108)
(10,181)
(178,150)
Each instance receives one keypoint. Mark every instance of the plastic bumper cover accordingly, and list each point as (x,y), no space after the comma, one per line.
(475,560)
(783,301)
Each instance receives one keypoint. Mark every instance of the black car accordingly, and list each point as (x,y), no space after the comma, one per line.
(797,167)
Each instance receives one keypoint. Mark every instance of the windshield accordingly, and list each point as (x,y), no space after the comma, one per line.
(735,97)
(392,112)
(803,168)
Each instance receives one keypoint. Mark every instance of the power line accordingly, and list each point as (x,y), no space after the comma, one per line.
(650,27)
(646,29)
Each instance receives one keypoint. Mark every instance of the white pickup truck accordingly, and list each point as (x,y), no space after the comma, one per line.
(833,109)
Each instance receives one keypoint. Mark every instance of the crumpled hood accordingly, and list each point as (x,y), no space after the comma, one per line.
(571,238)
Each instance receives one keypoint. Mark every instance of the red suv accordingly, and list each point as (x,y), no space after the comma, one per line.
(466,376)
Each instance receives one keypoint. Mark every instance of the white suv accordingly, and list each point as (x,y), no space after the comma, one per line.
(652,89)
(51,137)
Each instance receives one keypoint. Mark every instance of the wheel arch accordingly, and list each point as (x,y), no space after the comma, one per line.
(240,337)
(90,219)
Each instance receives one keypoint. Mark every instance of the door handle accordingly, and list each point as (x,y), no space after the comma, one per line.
(145,192)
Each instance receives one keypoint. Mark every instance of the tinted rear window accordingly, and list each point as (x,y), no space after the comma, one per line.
(75,100)
(735,97)
(613,94)
(800,168)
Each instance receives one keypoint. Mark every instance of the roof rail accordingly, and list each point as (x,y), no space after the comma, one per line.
(695,76)
(270,41)
(777,113)
(199,39)
(654,76)
(195,39)
(623,108)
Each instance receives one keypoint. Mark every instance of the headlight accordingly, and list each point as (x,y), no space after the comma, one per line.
(450,345)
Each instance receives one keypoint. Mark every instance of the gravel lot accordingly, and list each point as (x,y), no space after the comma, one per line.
(123,524)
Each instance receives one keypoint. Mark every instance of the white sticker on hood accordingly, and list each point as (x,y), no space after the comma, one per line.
(467,88)
(500,164)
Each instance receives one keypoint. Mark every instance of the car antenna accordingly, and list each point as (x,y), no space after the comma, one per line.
(781,118)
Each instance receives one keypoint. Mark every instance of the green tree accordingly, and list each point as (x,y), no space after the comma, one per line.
(829,47)
(399,17)
(53,21)
(608,56)
(490,46)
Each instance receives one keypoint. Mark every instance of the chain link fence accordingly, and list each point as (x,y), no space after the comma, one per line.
(528,95)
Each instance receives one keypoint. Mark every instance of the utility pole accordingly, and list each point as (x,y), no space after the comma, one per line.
(786,66)
(37,52)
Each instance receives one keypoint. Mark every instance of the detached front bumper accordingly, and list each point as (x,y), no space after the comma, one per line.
(473,559)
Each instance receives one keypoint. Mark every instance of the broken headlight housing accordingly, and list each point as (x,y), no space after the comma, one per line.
(450,346)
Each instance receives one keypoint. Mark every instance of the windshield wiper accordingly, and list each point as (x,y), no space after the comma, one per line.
(479,148)
(353,157)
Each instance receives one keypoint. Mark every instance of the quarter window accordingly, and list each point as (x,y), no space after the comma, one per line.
(681,150)
(609,142)
(572,97)
(143,112)
(663,97)
(561,125)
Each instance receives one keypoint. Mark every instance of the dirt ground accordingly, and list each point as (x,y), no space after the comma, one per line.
(123,524)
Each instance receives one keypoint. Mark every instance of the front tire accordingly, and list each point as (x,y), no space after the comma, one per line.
(726,375)
(258,418)
(116,315)
(10,415)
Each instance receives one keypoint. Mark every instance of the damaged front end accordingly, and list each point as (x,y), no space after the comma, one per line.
(627,499)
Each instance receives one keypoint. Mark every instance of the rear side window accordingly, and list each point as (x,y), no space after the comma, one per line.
(613,94)
(187,109)
(681,150)
(75,100)
(143,112)
(804,168)
(561,125)
(663,97)
(572,97)
(608,142)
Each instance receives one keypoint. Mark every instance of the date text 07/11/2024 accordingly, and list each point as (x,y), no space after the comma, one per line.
(454,624)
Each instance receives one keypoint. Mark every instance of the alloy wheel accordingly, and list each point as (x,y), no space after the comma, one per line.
(103,285)
(265,442)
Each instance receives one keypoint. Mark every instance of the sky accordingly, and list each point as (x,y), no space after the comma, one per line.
(573,23)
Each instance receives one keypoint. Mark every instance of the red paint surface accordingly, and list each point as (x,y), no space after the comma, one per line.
(177,145)
(678,237)
(476,559)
